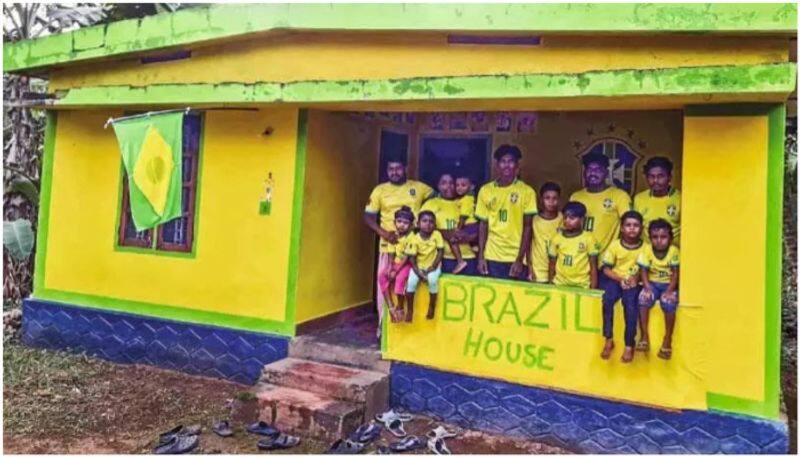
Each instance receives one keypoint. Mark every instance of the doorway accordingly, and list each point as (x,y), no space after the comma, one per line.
(464,154)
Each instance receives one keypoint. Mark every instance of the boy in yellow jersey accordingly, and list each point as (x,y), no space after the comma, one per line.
(505,208)
(458,257)
(661,201)
(546,225)
(604,202)
(385,200)
(660,262)
(573,252)
(619,280)
(426,249)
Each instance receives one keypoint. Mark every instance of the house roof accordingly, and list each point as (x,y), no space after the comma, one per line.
(231,21)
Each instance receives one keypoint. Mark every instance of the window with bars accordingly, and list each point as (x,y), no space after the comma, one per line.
(176,235)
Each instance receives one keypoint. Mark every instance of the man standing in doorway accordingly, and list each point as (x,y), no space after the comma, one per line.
(661,200)
(505,208)
(385,199)
(605,203)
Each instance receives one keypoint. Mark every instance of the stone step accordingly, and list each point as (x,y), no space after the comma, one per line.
(370,388)
(307,413)
(309,348)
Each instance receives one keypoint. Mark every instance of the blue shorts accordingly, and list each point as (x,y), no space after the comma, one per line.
(658,289)
(433,281)
(502,270)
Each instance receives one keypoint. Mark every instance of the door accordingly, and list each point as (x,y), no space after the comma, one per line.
(460,154)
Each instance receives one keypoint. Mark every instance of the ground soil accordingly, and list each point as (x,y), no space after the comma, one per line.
(56,402)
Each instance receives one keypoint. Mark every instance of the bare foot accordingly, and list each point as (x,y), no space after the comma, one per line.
(460,267)
(627,355)
(607,349)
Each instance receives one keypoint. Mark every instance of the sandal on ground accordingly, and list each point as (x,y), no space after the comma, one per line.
(437,446)
(367,433)
(179,444)
(383,450)
(409,443)
(222,428)
(665,353)
(440,432)
(263,428)
(395,427)
(643,346)
(279,442)
(180,430)
(391,415)
(345,447)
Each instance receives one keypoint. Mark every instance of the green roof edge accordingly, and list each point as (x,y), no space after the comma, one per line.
(229,20)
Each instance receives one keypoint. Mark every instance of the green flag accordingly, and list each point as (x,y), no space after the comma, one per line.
(151,148)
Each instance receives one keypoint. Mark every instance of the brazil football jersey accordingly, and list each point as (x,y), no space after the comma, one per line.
(622,260)
(544,230)
(467,207)
(572,258)
(504,208)
(659,270)
(401,247)
(425,250)
(387,198)
(603,210)
(447,213)
(667,207)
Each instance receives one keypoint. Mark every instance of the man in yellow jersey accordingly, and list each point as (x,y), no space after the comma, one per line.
(385,199)
(661,201)
(505,208)
(447,209)
(605,204)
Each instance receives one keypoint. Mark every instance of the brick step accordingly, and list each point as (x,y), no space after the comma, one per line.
(370,388)
(309,348)
(307,413)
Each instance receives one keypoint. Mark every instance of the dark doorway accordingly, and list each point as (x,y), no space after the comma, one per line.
(392,144)
(468,155)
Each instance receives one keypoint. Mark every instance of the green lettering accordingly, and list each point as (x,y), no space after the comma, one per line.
(563,312)
(469,344)
(529,360)
(512,310)
(486,305)
(498,345)
(544,351)
(578,326)
(451,302)
(530,321)
(515,357)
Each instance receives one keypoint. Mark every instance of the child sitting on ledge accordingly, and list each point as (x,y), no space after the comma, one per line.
(396,276)
(425,250)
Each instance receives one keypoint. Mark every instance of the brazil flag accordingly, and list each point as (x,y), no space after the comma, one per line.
(151,148)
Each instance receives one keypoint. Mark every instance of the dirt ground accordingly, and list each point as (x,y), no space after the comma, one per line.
(56,402)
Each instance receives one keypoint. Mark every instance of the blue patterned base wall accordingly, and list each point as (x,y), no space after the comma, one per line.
(578,423)
(126,338)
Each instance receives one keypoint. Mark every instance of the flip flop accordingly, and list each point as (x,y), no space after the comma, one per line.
(383,450)
(665,353)
(263,428)
(437,446)
(391,415)
(440,432)
(280,442)
(409,443)
(395,427)
(366,433)
(222,428)
(345,446)
(643,346)
(179,430)
(180,444)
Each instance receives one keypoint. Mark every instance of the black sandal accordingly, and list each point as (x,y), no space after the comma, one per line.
(280,442)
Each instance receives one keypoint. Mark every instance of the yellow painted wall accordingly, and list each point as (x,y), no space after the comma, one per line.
(240,264)
(723,240)
(337,251)
(342,56)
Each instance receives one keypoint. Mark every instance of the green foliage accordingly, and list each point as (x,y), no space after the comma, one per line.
(18,239)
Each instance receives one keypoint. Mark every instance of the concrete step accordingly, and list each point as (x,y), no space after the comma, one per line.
(370,388)
(310,348)
(307,413)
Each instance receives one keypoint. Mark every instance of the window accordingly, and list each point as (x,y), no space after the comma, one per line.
(176,235)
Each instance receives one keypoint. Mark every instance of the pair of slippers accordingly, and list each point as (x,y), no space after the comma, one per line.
(274,438)
(179,440)
(394,422)
(436,442)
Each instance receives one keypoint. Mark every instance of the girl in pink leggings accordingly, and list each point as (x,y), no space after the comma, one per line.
(395,275)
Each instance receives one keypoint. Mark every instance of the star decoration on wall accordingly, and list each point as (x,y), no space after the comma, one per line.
(611,127)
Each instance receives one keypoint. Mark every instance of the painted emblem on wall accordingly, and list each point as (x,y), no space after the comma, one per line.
(616,144)
(265,205)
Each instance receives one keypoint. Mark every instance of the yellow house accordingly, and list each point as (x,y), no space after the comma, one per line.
(292,107)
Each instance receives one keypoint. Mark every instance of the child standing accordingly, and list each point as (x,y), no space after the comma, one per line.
(546,225)
(660,261)
(620,280)
(573,252)
(467,224)
(396,275)
(425,250)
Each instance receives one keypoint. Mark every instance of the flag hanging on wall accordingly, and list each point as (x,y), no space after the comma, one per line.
(151,147)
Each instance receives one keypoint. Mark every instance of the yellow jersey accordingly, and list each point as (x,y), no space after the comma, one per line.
(425,250)
(659,270)
(572,258)
(401,247)
(387,198)
(622,260)
(504,209)
(447,213)
(467,207)
(667,207)
(603,210)
(544,230)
